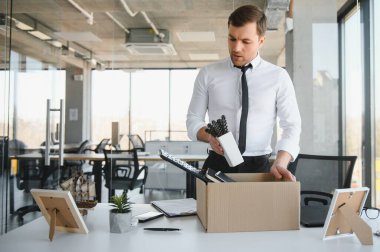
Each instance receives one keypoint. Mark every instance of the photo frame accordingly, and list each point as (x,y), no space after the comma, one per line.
(343,217)
(60,211)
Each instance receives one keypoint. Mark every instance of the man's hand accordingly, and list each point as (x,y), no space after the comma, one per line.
(215,145)
(207,138)
(279,169)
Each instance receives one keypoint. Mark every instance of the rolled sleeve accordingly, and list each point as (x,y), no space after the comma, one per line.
(290,119)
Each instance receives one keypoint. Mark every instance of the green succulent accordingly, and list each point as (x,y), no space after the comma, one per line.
(120,204)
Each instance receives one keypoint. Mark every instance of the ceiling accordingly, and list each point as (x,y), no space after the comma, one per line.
(104,40)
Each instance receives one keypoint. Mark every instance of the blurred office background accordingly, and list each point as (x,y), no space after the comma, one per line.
(134,62)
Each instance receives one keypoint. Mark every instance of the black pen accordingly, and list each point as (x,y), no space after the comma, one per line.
(162,229)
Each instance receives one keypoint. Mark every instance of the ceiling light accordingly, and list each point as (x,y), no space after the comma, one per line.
(39,35)
(204,56)
(55,43)
(22,26)
(151,49)
(196,36)
(78,36)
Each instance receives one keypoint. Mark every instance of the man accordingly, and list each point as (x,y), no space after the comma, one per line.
(265,90)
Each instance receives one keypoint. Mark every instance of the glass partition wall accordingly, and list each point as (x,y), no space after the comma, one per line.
(31,75)
(376,15)
(4,101)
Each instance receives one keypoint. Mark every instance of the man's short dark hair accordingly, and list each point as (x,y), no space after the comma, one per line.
(247,14)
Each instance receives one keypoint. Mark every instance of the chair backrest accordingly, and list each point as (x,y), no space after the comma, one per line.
(323,173)
(82,146)
(124,172)
(102,145)
(137,142)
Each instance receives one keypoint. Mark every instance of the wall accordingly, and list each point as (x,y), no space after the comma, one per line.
(312,62)
(74,105)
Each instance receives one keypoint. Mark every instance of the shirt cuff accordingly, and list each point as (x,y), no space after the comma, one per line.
(193,131)
(288,146)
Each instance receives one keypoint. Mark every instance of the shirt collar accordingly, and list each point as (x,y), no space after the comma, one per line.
(255,62)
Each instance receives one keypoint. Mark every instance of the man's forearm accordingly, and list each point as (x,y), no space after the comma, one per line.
(283,158)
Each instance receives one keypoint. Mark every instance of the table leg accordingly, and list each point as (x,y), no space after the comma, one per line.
(190,182)
(97,171)
(11,194)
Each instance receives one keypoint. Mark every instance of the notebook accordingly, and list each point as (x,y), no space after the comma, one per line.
(218,176)
(177,207)
(314,216)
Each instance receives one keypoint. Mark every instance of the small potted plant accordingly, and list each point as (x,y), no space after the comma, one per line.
(120,214)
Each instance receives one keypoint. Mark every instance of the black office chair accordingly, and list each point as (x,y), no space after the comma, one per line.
(137,143)
(71,167)
(321,175)
(124,174)
(101,146)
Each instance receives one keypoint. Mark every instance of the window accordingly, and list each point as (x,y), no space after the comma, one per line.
(110,102)
(181,90)
(353,92)
(31,87)
(151,103)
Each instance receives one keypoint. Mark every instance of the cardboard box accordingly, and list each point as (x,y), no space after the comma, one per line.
(255,203)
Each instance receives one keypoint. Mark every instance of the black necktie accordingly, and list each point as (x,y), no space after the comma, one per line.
(244,110)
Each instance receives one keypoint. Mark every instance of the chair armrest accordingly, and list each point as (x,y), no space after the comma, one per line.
(317,196)
(141,169)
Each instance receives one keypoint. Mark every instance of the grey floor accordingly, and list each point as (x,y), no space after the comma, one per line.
(22,199)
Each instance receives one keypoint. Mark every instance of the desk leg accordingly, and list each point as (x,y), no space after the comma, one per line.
(11,194)
(190,186)
(97,170)
(190,182)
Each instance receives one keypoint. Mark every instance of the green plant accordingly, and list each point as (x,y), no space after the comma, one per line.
(120,204)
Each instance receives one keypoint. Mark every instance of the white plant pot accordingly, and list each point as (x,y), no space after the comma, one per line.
(120,222)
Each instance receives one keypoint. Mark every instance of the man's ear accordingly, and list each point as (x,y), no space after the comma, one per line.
(261,41)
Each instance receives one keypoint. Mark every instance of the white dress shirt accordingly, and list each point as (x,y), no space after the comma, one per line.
(217,89)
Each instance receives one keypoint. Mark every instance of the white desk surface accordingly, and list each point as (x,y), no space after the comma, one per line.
(34,237)
(100,156)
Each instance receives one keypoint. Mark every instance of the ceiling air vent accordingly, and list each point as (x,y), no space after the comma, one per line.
(146,42)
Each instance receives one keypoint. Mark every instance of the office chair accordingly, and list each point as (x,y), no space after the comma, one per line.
(32,173)
(101,146)
(321,175)
(73,166)
(137,142)
(123,173)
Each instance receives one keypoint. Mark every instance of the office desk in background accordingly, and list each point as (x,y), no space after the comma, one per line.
(192,237)
(98,158)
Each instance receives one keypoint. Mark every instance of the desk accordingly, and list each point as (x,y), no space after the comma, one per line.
(98,158)
(34,237)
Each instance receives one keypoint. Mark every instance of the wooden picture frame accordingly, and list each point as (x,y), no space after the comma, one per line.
(343,218)
(60,211)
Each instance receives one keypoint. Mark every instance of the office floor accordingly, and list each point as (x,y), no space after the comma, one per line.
(23,199)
